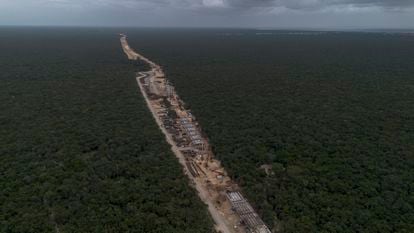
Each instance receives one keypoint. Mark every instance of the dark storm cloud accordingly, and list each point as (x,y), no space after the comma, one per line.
(318,4)
(249,4)
(211,13)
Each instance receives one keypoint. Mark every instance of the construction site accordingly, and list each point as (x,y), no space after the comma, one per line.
(229,209)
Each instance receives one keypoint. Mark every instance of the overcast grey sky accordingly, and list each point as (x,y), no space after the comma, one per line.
(211,13)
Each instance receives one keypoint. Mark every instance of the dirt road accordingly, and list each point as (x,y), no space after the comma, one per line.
(221,222)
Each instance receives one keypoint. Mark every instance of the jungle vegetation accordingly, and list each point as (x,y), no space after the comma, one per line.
(79,150)
(331,112)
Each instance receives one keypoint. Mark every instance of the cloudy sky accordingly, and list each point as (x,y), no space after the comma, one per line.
(347,14)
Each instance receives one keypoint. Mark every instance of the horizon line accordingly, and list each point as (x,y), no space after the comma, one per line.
(341,28)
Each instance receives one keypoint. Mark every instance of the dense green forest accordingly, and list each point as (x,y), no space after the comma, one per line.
(333,113)
(79,151)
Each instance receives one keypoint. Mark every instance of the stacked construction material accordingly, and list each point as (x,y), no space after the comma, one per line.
(248,216)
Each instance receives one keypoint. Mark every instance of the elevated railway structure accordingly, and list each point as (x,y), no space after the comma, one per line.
(248,216)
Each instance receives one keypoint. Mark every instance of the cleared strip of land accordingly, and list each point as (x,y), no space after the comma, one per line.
(229,209)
